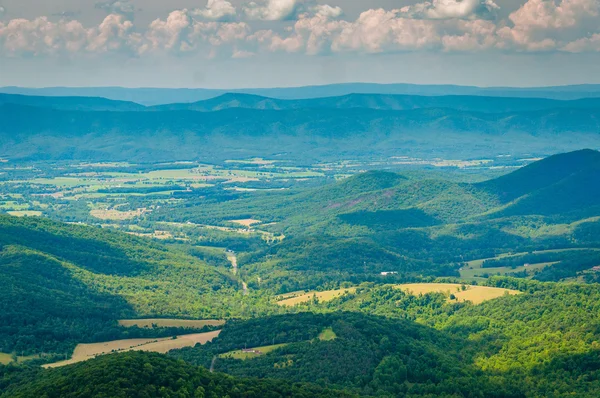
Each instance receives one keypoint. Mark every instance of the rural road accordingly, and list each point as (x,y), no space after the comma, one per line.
(233,260)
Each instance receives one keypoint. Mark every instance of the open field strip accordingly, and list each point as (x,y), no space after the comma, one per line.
(25,213)
(248,222)
(475,294)
(83,352)
(472,272)
(117,215)
(251,352)
(5,359)
(478,263)
(321,296)
(166,323)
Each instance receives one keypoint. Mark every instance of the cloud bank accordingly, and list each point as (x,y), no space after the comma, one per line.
(220,29)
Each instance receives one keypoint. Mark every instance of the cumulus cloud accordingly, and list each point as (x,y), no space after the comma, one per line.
(217,10)
(545,25)
(446,9)
(273,10)
(120,7)
(287,10)
(538,25)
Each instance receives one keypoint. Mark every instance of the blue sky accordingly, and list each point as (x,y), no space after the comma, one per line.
(266,43)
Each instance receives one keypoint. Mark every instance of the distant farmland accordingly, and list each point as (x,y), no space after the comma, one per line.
(83,352)
(297,298)
(474,294)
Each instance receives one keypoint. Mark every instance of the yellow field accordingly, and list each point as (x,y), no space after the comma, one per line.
(166,323)
(251,352)
(322,296)
(116,214)
(5,359)
(475,294)
(25,213)
(246,222)
(83,352)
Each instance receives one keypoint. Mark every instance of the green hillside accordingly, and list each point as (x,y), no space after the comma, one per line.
(145,375)
(65,284)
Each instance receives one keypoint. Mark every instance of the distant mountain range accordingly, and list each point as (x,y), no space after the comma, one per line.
(158,96)
(28,132)
(349,101)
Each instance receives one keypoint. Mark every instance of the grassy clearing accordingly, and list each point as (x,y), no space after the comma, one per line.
(83,352)
(5,359)
(25,213)
(251,352)
(303,297)
(474,294)
(248,222)
(327,335)
(116,214)
(471,273)
(478,263)
(176,323)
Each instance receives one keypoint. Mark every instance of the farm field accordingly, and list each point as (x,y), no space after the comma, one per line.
(472,273)
(321,296)
(83,352)
(5,359)
(475,294)
(165,323)
(475,264)
(251,352)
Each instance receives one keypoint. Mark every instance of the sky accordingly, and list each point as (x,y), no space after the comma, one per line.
(277,43)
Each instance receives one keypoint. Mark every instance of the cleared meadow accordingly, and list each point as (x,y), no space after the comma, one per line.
(474,294)
(302,297)
(251,352)
(83,352)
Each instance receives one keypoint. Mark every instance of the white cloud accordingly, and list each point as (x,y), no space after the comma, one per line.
(217,10)
(591,43)
(2,11)
(543,25)
(447,9)
(327,11)
(539,25)
(273,10)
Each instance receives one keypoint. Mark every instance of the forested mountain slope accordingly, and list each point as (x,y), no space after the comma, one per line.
(385,222)
(65,284)
(139,374)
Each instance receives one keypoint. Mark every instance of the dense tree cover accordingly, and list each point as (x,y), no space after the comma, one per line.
(566,264)
(139,375)
(414,226)
(543,342)
(66,284)
(374,355)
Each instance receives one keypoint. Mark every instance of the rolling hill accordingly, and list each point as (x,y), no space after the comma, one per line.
(64,284)
(32,133)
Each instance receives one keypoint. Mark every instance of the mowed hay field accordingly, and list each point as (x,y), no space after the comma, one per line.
(321,296)
(83,352)
(248,222)
(116,215)
(168,323)
(251,352)
(474,294)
